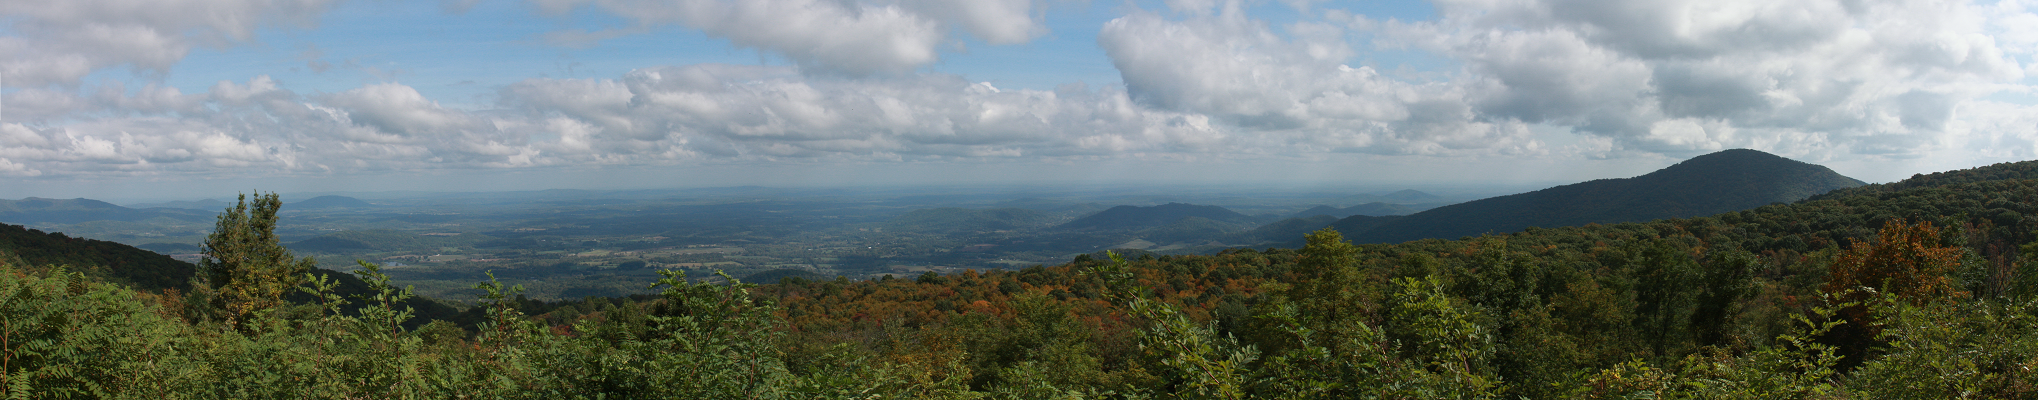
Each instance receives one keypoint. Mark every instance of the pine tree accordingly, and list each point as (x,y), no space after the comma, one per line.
(246,266)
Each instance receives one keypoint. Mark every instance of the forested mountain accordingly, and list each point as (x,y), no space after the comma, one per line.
(1926,288)
(1137,217)
(36,210)
(1725,181)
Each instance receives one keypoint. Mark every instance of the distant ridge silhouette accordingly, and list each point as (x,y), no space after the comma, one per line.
(1729,180)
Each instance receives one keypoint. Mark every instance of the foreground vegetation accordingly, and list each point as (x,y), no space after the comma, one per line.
(1926,288)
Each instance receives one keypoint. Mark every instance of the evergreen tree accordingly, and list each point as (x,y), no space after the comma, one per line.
(247,268)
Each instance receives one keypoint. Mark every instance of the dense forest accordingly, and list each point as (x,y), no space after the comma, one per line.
(1925,288)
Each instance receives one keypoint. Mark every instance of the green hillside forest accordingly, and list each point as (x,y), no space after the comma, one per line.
(1925,288)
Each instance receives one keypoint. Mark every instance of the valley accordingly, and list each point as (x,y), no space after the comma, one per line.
(572,244)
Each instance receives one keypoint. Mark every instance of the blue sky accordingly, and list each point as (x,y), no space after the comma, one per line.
(201,98)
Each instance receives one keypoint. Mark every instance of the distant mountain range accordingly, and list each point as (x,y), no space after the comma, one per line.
(1405,196)
(324,202)
(36,210)
(1725,181)
(1372,209)
(1137,217)
(213,205)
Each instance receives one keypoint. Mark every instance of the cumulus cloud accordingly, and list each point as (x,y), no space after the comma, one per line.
(651,116)
(743,111)
(1674,77)
(60,42)
(1877,77)
(848,37)
(1293,85)
(1202,79)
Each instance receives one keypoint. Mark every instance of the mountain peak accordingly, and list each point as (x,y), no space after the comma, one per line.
(1735,161)
(1723,181)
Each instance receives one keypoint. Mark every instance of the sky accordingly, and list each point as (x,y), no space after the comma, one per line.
(187,99)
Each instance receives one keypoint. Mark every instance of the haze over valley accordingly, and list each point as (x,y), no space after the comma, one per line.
(575,243)
(566,244)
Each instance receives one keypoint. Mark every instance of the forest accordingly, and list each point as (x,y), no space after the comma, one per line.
(1924,288)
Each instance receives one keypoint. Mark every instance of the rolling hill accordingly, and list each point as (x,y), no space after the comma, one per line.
(1710,184)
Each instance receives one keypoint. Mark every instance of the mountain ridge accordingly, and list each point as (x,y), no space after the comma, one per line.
(1719,182)
(34,210)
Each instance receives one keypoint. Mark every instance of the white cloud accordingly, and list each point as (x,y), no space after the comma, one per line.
(60,42)
(1812,79)
(848,37)
(652,116)
(1803,78)
(1293,86)
(8,167)
(395,108)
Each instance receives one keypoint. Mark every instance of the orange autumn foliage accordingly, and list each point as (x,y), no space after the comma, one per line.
(1905,260)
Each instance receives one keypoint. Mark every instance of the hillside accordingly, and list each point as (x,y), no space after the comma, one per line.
(1136,217)
(109,261)
(1720,182)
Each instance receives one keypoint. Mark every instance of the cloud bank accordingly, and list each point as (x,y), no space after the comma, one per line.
(1201,81)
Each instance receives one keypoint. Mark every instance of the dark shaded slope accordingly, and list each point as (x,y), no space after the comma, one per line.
(1136,217)
(1725,181)
(109,261)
